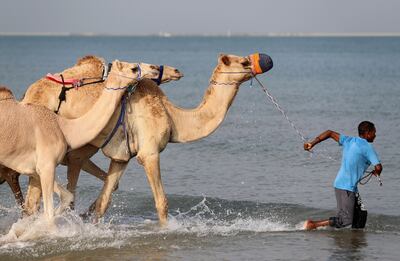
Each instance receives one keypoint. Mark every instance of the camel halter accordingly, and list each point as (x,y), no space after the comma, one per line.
(76,83)
(157,80)
(121,118)
(120,122)
(80,82)
(260,63)
(212,81)
(160,75)
(130,87)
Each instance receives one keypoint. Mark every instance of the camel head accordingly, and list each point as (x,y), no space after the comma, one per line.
(164,73)
(170,74)
(130,73)
(145,70)
(234,68)
(5,93)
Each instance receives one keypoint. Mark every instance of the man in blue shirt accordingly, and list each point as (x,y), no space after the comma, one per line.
(358,154)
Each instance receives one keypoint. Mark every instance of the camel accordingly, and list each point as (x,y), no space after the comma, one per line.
(155,121)
(78,101)
(34,139)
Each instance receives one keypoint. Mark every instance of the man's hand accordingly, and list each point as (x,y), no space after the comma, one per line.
(308,146)
(378,169)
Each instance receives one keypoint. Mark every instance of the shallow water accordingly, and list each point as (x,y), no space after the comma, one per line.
(249,186)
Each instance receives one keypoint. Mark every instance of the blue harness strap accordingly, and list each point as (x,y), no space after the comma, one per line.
(121,121)
(160,75)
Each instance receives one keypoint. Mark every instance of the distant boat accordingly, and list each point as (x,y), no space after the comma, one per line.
(164,34)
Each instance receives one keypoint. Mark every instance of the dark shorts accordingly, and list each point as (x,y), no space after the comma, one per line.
(345,208)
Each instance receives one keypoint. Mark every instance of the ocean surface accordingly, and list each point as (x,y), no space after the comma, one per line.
(244,192)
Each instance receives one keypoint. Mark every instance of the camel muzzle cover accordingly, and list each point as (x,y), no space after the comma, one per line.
(260,63)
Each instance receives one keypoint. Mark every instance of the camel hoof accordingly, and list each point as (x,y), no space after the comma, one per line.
(85,216)
(89,217)
(95,220)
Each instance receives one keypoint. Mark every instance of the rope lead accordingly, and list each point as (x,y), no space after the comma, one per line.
(301,135)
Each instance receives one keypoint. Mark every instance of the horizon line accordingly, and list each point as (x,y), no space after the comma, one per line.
(167,34)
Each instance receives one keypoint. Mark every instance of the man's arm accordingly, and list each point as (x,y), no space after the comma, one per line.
(323,136)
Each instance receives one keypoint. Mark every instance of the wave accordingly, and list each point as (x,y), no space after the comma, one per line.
(190,217)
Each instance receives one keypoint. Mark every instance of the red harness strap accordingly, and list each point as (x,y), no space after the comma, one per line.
(73,82)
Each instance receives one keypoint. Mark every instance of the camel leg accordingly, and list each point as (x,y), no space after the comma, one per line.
(151,166)
(73,170)
(94,170)
(114,174)
(91,168)
(12,178)
(32,200)
(46,174)
(66,197)
(75,161)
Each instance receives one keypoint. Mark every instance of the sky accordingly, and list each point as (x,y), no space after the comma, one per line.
(131,17)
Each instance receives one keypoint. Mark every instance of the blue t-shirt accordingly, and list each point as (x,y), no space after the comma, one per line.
(358,154)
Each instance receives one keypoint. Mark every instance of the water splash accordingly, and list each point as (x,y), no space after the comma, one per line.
(203,220)
(201,217)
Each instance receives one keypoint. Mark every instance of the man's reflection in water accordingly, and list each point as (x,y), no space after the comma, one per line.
(348,245)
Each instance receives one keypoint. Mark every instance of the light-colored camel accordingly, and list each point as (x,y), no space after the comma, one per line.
(78,101)
(33,139)
(155,121)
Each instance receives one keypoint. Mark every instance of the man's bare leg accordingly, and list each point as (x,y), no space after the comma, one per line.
(310,224)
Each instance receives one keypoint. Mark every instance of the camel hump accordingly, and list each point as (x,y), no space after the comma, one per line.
(90,59)
(5,93)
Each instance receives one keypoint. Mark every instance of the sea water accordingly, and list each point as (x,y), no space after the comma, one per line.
(244,192)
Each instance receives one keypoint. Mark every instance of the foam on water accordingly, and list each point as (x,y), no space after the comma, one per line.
(205,222)
(203,217)
(33,235)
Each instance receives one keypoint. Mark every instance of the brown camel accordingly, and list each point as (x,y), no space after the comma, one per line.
(34,139)
(78,101)
(155,121)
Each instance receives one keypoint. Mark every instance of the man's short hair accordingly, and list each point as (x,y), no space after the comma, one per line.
(365,126)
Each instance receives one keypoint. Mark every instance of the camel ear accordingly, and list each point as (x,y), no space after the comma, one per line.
(5,93)
(224,59)
(117,64)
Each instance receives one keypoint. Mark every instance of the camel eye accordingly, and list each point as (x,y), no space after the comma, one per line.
(245,63)
(153,67)
(135,69)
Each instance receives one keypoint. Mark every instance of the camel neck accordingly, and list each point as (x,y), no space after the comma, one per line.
(194,124)
(82,130)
